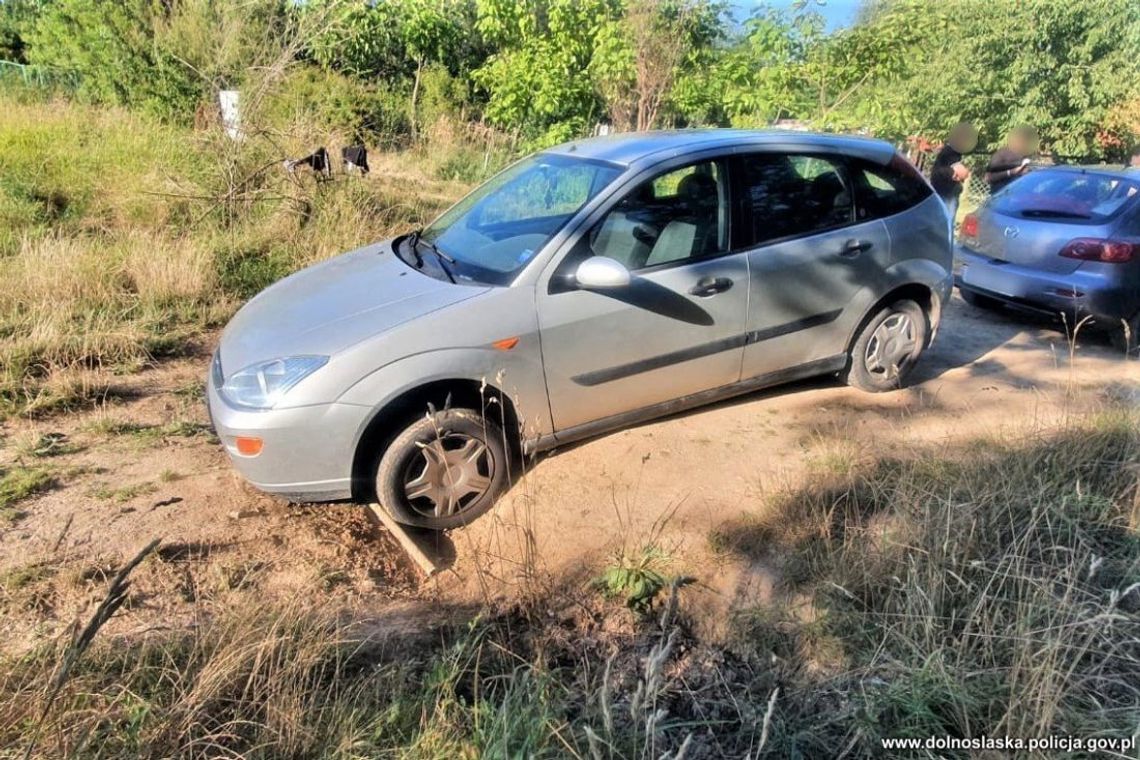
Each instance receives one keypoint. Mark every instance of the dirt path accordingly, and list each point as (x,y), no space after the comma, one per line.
(144,466)
(677,481)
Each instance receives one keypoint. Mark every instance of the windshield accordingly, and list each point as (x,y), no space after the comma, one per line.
(1079,197)
(498,228)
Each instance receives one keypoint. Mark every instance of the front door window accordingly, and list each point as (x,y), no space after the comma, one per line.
(676,217)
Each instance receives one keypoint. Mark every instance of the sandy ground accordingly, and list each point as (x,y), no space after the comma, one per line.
(143,466)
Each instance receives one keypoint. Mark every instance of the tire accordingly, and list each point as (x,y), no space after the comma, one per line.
(1126,341)
(978,301)
(424,475)
(888,347)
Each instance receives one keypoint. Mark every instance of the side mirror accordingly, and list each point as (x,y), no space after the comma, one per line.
(602,273)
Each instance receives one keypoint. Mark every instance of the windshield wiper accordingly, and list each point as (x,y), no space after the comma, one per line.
(444,259)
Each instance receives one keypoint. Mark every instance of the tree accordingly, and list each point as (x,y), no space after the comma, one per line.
(393,40)
(110,45)
(1059,65)
(639,57)
(429,33)
(538,83)
(163,56)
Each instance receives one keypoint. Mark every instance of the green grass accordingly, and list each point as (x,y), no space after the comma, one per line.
(147,433)
(18,483)
(46,445)
(987,591)
(19,578)
(123,493)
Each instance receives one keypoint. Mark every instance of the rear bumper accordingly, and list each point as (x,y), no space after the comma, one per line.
(1075,295)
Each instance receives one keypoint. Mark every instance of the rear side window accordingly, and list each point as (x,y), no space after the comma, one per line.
(785,196)
(886,190)
(1067,196)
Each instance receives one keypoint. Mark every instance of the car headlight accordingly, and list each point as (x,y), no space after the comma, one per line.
(261,386)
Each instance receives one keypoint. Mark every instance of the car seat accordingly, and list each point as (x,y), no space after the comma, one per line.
(693,232)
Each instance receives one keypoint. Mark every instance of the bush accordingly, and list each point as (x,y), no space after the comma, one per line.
(337,103)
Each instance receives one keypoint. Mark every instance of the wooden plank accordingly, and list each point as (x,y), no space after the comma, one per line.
(407,542)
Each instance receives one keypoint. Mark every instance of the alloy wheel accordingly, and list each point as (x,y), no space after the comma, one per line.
(448,475)
(891,347)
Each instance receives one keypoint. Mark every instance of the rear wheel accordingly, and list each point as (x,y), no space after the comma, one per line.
(888,348)
(443,470)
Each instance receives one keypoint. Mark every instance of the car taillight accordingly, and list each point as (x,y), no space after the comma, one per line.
(970,226)
(1096,249)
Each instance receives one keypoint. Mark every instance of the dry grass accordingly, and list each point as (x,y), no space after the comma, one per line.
(123,239)
(986,591)
(989,590)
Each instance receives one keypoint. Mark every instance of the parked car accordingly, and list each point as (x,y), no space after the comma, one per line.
(1062,241)
(585,288)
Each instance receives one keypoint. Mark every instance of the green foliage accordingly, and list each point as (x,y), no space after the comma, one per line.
(547,70)
(339,103)
(640,57)
(164,58)
(751,82)
(1058,65)
(15,18)
(538,82)
(636,578)
(110,45)
(388,40)
(20,483)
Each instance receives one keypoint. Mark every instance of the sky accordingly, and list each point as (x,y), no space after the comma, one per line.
(837,13)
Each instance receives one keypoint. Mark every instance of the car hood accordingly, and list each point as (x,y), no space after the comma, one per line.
(333,305)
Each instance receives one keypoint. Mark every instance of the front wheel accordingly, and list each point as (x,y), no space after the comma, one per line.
(443,470)
(888,348)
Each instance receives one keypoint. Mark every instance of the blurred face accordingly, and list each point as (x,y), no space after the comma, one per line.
(1023,141)
(1135,162)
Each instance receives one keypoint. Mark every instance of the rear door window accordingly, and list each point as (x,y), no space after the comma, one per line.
(1076,197)
(783,196)
(886,190)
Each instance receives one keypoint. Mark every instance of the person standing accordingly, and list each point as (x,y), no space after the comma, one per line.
(948,172)
(1012,160)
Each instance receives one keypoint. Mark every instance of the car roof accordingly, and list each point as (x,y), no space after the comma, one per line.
(632,147)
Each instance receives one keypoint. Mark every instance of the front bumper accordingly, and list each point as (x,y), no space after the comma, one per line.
(307,451)
(1076,295)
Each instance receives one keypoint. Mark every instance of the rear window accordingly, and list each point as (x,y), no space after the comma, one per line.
(1066,196)
(887,190)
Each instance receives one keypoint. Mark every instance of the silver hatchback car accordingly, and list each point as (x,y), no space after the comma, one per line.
(585,288)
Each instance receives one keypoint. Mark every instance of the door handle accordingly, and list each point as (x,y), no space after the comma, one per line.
(853,247)
(710,286)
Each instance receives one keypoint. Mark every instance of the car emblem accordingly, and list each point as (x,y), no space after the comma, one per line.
(1012,232)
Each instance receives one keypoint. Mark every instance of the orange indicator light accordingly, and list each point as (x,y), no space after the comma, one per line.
(506,344)
(248,446)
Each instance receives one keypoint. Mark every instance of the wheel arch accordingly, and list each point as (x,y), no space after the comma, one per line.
(390,419)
